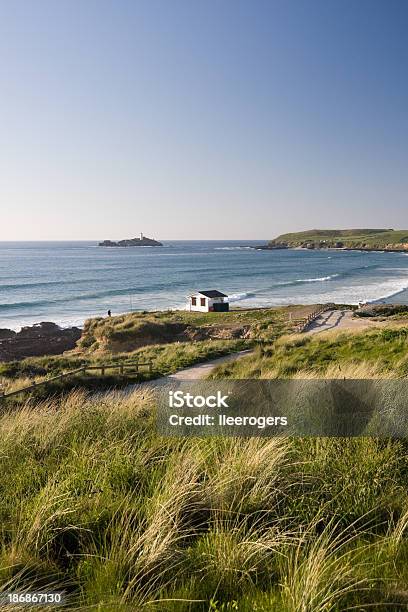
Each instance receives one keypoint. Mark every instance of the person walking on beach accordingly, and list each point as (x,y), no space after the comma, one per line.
(109,313)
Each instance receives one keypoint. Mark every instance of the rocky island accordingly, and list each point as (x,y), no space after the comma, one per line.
(348,240)
(131,242)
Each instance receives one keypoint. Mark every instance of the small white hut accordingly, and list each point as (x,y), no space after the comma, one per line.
(208,301)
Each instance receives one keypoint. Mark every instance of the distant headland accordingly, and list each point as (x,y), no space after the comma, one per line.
(132,242)
(348,240)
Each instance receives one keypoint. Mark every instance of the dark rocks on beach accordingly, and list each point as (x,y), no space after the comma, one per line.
(41,339)
(6,334)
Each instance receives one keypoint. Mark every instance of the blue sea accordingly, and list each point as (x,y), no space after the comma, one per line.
(67,282)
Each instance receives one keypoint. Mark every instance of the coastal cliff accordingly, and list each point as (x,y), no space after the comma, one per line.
(350,239)
(131,242)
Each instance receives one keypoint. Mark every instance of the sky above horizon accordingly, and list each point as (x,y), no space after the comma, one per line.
(201,120)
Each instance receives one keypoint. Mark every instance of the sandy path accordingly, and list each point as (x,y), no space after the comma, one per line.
(332,319)
(201,370)
(339,319)
(196,372)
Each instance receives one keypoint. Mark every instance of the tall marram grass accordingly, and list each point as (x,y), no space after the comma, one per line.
(378,353)
(93,501)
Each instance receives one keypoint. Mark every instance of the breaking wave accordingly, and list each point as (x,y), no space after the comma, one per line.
(234,248)
(316,280)
(236,297)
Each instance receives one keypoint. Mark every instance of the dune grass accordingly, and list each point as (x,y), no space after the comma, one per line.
(94,501)
(150,336)
(124,332)
(368,354)
(165,359)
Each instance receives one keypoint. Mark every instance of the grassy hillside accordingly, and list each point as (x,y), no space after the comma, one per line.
(352,238)
(170,340)
(378,353)
(127,332)
(93,500)
(166,359)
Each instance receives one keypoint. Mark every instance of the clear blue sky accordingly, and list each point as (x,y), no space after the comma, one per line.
(189,119)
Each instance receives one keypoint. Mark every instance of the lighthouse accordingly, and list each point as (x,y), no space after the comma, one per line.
(141,235)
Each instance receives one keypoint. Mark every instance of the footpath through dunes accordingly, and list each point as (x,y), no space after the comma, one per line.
(115,352)
(201,370)
(195,372)
(341,320)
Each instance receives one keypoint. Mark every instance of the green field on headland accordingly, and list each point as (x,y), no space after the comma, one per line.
(350,238)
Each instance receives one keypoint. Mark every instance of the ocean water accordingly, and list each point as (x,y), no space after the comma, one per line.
(67,282)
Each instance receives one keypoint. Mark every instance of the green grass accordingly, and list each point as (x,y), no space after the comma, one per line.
(93,500)
(127,332)
(147,337)
(383,352)
(166,359)
(375,238)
